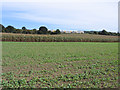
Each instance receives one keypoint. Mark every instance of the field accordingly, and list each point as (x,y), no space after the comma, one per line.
(58,38)
(59,65)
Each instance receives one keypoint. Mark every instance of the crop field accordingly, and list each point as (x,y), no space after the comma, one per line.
(58,38)
(59,65)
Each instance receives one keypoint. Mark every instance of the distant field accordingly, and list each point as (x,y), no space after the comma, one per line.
(60,64)
(58,38)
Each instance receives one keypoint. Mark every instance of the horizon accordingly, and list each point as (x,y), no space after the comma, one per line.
(82,16)
(61,30)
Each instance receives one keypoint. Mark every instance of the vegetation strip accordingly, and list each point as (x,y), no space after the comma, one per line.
(59,65)
(58,38)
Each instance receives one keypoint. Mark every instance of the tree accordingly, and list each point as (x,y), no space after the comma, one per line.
(57,31)
(43,30)
(104,32)
(10,29)
(18,30)
(2,28)
(95,32)
(49,32)
(118,33)
(24,28)
(34,31)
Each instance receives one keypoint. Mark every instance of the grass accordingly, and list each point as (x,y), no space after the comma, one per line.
(58,38)
(59,65)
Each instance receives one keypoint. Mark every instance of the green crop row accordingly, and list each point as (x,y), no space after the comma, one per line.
(59,65)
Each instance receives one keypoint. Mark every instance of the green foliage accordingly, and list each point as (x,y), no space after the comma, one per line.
(2,28)
(103,32)
(18,31)
(10,29)
(24,28)
(34,31)
(59,65)
(43,30)
(56,32)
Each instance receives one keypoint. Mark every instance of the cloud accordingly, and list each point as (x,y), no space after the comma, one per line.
(52,1)
(96,15)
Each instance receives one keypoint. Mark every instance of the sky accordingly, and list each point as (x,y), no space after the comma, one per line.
(81,15)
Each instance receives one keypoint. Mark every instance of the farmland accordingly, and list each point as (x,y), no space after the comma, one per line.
(58,38)
(59,65)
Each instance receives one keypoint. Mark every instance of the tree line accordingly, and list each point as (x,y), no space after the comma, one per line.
(44,30)
(103,32)
(24,30)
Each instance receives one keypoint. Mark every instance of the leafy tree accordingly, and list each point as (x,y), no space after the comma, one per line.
(10,29)
(118,33)
(39,32)
(57,31)
(2,28)
(43,30)
(95,32)
(29,32)
(34,31)
(49,32)
(18,31)
(104,32)
(24,28)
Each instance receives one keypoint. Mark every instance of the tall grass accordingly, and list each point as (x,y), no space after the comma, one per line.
(58,38)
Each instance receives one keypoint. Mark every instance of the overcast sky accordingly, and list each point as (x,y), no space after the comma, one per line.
(61,14)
